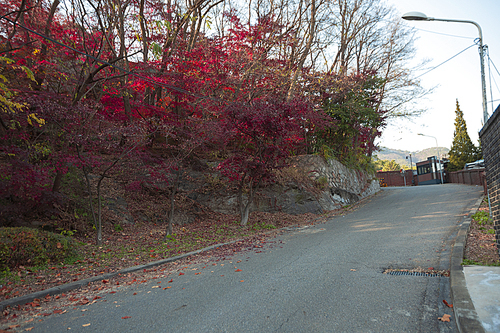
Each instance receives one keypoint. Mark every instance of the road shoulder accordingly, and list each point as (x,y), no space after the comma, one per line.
(466,317)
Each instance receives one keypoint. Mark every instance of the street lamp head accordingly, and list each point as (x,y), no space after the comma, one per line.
(420,134)
(415,16)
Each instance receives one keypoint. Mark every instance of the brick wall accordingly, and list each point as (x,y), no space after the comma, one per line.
(490,142)
(469,177)
(394,178)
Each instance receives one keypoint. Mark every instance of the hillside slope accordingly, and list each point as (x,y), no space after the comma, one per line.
(400,155)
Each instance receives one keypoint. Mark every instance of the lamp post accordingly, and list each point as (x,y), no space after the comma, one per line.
(417,16)
(411,168)
(439,155)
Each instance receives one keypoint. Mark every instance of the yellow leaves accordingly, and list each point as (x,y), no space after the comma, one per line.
(35,118)
(7,60)
(7,94)
(28,72)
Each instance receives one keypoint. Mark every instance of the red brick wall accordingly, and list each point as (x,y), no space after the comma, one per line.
(490,143)
(394,178)
(469,177)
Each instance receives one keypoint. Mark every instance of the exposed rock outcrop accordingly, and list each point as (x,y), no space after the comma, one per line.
(310,185)
(332,185)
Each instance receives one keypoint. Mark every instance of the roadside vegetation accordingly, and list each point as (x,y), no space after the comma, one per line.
(99,98)
(136,245)
(481,248)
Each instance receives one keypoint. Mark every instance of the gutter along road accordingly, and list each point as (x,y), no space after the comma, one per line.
(324,278)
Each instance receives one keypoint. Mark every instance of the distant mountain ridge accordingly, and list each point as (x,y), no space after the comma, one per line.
(399,156)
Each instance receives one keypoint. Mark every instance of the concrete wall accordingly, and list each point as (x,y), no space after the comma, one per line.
(490,142)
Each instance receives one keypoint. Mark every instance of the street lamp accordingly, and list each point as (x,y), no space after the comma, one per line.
(439,155)
(417,16)
(411,168)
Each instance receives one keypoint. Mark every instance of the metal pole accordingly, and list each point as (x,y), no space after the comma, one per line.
(439,160)
(411,169)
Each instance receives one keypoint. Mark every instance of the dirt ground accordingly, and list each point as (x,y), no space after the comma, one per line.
(481,248)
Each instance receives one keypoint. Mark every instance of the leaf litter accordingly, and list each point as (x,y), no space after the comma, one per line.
(92,265)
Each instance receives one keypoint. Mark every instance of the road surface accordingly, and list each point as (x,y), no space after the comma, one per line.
(324,278)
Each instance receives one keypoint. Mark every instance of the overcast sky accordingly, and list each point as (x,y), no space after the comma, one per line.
(459,78)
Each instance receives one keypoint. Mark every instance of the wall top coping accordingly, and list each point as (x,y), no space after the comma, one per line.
(490,121)
(469,170)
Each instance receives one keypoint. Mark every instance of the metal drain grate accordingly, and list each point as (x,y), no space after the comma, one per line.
(414,273)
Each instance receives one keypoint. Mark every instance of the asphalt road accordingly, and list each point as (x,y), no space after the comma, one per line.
(325,278)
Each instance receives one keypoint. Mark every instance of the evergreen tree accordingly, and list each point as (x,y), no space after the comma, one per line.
(462,150)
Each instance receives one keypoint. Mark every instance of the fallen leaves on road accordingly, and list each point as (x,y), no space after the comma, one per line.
(91,266)
(83,301)
(445,317)
(126,317)
(447,304)
(443,272)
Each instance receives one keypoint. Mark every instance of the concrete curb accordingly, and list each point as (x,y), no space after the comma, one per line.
(465,314)
(77,284)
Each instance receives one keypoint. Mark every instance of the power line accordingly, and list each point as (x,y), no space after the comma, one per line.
(440,33)
(489,59)
(492,78)
(430,70)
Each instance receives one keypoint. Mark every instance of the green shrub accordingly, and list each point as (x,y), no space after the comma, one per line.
(33,247)
(481,217)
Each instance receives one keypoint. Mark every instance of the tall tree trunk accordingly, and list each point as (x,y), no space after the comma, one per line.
(56,186)
(245,208)
(172,206)
(300,65)
(99,212)
(40,75)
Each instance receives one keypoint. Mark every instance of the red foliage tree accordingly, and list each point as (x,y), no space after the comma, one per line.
(261,135)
